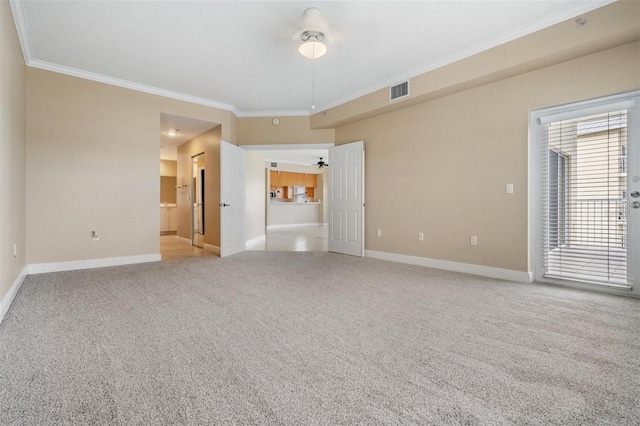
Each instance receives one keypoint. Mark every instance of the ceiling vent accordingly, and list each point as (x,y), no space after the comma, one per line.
(399,91)
(274,165)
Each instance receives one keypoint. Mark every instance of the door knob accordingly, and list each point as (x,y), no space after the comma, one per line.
(635,194)
(635,204)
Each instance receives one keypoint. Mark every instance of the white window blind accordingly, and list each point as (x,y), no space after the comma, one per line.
(584,199)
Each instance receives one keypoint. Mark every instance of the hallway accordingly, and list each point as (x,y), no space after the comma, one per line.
(173,247)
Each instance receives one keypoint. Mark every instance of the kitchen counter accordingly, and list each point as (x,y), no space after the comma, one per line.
(295,202)
(292,213)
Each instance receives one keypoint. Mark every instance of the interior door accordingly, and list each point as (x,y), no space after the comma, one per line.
(197,212)
(346,199)
(232,199)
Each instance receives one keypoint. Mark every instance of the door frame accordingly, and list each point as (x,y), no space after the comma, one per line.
(535,219)
(193,198)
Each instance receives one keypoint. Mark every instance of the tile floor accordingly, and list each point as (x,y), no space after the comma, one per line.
(298,238)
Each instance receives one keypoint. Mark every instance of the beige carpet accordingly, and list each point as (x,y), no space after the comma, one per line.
(313,339)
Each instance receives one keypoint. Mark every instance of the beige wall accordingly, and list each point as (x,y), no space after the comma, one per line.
(209,144)
(168,168)
(168,189)
(291,130)
(168,181)
(12,153)
(437,167)
(92,164)
(440,167)
(256,194)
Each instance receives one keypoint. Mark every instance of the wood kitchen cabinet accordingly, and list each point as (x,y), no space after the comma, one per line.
(310,181)
(275,178)
(285,179)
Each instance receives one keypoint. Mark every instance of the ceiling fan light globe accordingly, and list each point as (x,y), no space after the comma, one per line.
(312,49)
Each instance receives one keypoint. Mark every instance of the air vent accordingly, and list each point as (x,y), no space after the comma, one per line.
(399,91)
(274,165)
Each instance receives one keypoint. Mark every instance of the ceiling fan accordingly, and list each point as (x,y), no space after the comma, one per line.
(320,164)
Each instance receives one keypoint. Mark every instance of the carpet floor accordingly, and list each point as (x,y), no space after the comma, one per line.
(284,338)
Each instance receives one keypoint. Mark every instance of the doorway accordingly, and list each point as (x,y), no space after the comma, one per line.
(198,200)
(289,189)
(588,187)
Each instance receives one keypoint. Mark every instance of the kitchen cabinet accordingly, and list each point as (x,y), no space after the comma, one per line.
(292,179)
(286,179)
(310,181)
(275,178)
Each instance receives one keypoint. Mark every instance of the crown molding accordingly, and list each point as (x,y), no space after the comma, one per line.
(290,113)
(17,9)
(74,72)
(537,25)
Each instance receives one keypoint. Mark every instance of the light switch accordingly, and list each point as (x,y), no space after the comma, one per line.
(509,188)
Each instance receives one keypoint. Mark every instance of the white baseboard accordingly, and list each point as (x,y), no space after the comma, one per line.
(293,225)
(211,248)
(6,301)
(467,268)
(183,240)
(256,240)
(41,268)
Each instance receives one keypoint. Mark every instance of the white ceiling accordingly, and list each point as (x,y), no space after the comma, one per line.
(188,128)
(240,56)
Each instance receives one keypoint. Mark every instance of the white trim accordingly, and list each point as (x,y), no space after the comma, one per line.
(288,147)
(534,210)
(211,248)
(568,13)
(61,69)
(283,113)
(591,287)
(469,51)
(484,271)
(42,268)
(48,66)
(574,111)
(184,240)
(17,9)
(6,301)
(293,225)
(256,240)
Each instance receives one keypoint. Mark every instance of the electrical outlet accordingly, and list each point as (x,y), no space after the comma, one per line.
(474,240)
(420,236)
(509,188)
(379,233)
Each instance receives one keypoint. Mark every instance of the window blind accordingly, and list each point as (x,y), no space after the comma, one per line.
(584,198)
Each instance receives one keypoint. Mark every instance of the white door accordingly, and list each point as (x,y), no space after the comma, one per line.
(589,193)
(232,199)
(346,199)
